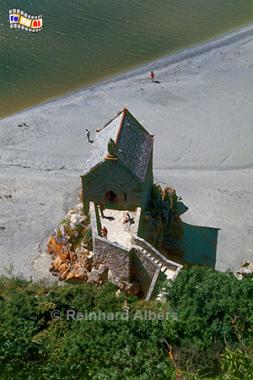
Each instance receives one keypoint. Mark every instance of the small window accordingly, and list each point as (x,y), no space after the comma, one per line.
(125,196)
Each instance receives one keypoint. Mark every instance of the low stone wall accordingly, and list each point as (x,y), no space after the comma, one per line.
(115,257)
(137,221)
(93,220)
(98,220)
(112,255)
(151,290)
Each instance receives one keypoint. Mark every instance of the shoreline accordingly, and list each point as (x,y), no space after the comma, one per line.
(223,40)
(201,115)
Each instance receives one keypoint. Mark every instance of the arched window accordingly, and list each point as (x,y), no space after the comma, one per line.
(110,196)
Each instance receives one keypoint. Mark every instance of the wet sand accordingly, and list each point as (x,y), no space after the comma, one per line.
(201,114)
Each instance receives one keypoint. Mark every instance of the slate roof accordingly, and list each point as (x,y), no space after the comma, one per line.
(134,144)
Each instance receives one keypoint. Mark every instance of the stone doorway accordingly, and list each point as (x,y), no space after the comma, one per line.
(111,197)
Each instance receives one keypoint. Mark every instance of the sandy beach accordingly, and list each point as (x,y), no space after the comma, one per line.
(201,114)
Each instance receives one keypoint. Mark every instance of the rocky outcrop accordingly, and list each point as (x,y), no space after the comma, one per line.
(245,270)
(70,247)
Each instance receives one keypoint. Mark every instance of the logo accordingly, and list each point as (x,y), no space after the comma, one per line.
(21,20)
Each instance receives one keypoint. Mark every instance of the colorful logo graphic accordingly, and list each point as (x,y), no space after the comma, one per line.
(21,20)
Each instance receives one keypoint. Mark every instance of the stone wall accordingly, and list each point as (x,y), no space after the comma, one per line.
(112,255)
(112,176)
(149,265)
(115,257)
(151,291)
(93,220)
(137,218)
(142,270)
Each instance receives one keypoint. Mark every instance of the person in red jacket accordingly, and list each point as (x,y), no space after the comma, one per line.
(152,75)
(104,232)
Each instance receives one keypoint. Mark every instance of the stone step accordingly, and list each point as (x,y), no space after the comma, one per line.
(162,295)
(154,259)
(169,274)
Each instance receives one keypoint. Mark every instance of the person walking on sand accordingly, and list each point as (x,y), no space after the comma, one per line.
(104,232)
(87,132)
(151,76)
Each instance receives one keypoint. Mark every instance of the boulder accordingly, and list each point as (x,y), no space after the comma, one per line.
(98,276)
(64,275)
(79,274)
(64,255)
(76,265)
(245,269)
(86,262)
(76,219)
(82,251)
(70,275)
(73,256)
(63,267)
(79,208)
(56,264)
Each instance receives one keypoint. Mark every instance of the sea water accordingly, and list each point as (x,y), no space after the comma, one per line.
(84,41)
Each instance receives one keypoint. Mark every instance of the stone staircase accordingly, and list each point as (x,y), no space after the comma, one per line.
(169,268)
(166,268)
